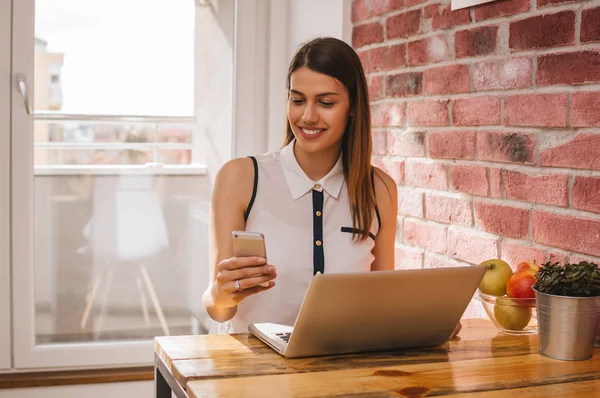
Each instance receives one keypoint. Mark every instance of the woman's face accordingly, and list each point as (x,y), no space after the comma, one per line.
(317,110)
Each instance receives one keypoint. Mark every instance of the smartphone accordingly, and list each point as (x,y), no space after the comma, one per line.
(249,244)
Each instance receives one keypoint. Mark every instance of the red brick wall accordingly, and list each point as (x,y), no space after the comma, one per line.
(488,119)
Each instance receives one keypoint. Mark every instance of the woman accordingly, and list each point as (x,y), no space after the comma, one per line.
(318,202)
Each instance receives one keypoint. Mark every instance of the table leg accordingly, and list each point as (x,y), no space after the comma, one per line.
(161,387)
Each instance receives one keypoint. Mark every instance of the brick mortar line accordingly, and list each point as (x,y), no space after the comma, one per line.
(502,184)
(557,89)
(534,61)
(474,223)
(578,16)
(425,221)
(537,157)
(488,176)
(401,228)
(557,250)
(519,204)
(539,51)
(424,204)
(550,131)
(469,61)
(569,110)
(503,38)
(414,248)
(500,240)
(445,258)
(570,190)
(527,169)
(471,230)
(530,226)
(502,99)
(500,246)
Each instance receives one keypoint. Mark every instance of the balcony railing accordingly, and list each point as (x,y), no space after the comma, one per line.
(115,144)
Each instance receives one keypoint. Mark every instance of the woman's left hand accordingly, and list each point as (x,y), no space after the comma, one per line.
(456,330)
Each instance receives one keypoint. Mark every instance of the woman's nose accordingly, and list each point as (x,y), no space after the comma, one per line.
(311,115)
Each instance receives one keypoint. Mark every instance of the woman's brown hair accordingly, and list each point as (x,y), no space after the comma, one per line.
(337,59)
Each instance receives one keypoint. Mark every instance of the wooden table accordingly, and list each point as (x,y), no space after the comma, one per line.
(479,363)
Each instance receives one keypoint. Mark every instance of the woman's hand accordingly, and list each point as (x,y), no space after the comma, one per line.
(238,278)
(456,330)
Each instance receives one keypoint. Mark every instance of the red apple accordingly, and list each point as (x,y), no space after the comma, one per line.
(527,265)
(520,284)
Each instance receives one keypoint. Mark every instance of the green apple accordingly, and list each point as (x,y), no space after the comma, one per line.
(495,278)
(510,315)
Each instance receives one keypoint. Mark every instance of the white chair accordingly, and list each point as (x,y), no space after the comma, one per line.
(128,224)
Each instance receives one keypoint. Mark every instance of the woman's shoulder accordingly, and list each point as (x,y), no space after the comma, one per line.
(243,167)
(236,169)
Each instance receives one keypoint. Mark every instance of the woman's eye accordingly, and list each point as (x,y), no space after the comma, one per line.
(327,104)
(297,101)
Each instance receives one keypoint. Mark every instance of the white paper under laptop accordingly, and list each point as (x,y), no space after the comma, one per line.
(358,312)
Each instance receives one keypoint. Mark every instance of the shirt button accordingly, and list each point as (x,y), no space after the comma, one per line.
(318,243)
(318,213)
(317,186)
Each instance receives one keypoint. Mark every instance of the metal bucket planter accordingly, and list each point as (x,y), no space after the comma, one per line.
(567,326)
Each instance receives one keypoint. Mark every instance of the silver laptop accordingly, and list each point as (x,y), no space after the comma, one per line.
(371,311)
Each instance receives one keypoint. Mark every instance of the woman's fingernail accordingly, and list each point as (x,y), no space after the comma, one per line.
(271,269)
(260,260)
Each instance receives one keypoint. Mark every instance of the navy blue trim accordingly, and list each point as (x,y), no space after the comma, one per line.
(355,231)
(376,208)
(318,254)
(254,189)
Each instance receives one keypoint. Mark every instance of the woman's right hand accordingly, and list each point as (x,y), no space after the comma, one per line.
(238,278)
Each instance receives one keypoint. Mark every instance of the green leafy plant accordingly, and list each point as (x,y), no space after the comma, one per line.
(574,280)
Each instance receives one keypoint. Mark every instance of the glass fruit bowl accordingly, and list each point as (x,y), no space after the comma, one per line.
(516,316)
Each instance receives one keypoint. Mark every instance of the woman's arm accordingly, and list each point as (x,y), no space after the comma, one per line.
(231,194)
(386,193)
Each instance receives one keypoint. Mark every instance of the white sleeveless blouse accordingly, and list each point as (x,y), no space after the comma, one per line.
(307,227)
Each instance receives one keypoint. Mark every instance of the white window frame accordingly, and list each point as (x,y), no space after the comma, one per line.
(28,356)
(5,327)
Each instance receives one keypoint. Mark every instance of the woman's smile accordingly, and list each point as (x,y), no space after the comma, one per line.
(311,133)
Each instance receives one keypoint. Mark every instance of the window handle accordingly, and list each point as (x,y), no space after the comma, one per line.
(22,87)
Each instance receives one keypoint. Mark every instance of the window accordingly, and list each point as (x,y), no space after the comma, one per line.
(112,234)
(105,173)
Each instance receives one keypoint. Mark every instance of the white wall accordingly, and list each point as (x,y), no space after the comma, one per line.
(112,390)
(214,82)
(312,18)
(293,22)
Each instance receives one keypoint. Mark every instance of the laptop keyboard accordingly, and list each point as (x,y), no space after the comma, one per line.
(284,336)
